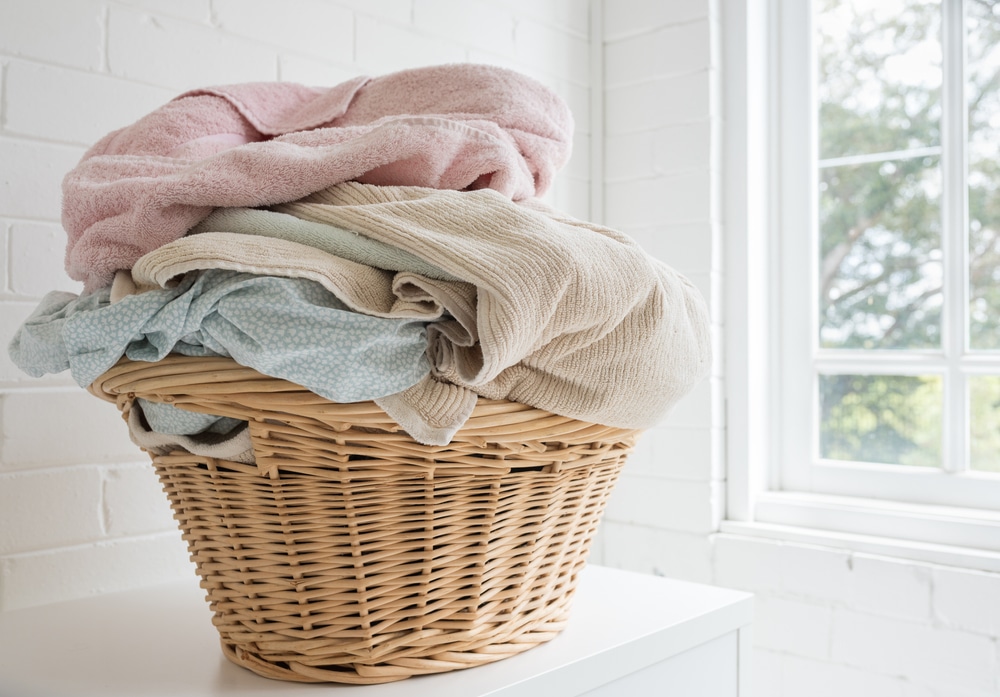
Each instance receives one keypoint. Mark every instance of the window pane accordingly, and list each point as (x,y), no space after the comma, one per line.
(880,255)
(984,410)
(879,71)
(891,419)
(983,72)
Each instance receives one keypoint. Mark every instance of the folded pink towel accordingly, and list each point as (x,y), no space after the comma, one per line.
(459,127)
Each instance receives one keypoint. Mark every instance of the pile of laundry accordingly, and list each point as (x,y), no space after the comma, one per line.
(379,240)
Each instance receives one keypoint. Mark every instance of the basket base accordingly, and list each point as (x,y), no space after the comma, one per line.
(369,674)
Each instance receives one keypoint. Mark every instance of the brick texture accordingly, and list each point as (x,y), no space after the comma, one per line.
(156,49)
(852,623)
(40,95)
(54,31)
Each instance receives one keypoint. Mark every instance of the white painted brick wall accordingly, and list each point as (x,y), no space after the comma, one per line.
(178,54)
(966,600)
(312,71)
(197,10)
(562,14)
(32,175)
(62,573)
(81,510)
(396,10)
(402,48)
(51,508)
(803,676)
(654,550)
(794,626)
(675,148)
(665,200)
(891,587)
(328,34)
(863,624)
(65,33)
(39,97)
(669,49)
(658,103)
(672,504)
(552,51)
(36,260)
(937,657)
(53,428)
(492,24)
(660,100)
(133,502)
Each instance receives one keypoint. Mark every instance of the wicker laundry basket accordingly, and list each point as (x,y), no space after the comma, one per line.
(351,553)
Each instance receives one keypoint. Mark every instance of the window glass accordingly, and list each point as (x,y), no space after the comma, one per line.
(983,95)
(879,120)
(889,250)
(984,409)
(880,269)
(879,76)
(890,419)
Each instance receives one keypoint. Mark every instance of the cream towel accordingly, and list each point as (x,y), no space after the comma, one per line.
(362,288)
(556,313)
(571,317)
(329,238)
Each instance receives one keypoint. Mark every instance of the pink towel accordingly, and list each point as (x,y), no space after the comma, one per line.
(459,127)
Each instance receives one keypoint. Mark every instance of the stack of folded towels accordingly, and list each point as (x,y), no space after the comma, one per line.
(378,240)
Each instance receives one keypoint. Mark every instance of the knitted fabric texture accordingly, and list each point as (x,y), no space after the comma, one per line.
(552,312)
(571,317)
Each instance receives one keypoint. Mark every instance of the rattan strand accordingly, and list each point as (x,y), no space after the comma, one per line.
(350,553)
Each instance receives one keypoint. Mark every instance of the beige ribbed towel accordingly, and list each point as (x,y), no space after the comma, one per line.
(571,317)
(554,312)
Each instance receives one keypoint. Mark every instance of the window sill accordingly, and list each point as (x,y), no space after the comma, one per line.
(965,538)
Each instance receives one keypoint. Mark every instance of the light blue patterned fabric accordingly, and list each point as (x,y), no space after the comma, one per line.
(289,328)
(174,421)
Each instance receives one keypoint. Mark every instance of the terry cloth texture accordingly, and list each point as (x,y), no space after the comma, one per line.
(569,316)
(458,127)
(289,328)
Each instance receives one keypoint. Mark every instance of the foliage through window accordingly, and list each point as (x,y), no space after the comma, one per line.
(907,209)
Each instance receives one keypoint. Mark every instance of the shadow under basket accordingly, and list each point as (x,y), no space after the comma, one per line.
(349,552)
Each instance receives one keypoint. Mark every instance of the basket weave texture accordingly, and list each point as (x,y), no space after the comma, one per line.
(351,553)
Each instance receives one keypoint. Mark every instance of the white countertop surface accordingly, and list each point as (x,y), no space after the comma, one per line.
(159,641)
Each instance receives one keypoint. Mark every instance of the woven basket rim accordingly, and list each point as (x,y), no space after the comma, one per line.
(219,385)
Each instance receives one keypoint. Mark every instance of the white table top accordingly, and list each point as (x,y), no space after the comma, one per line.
(159,641)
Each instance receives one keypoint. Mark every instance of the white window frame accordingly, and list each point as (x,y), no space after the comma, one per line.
(917,513)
